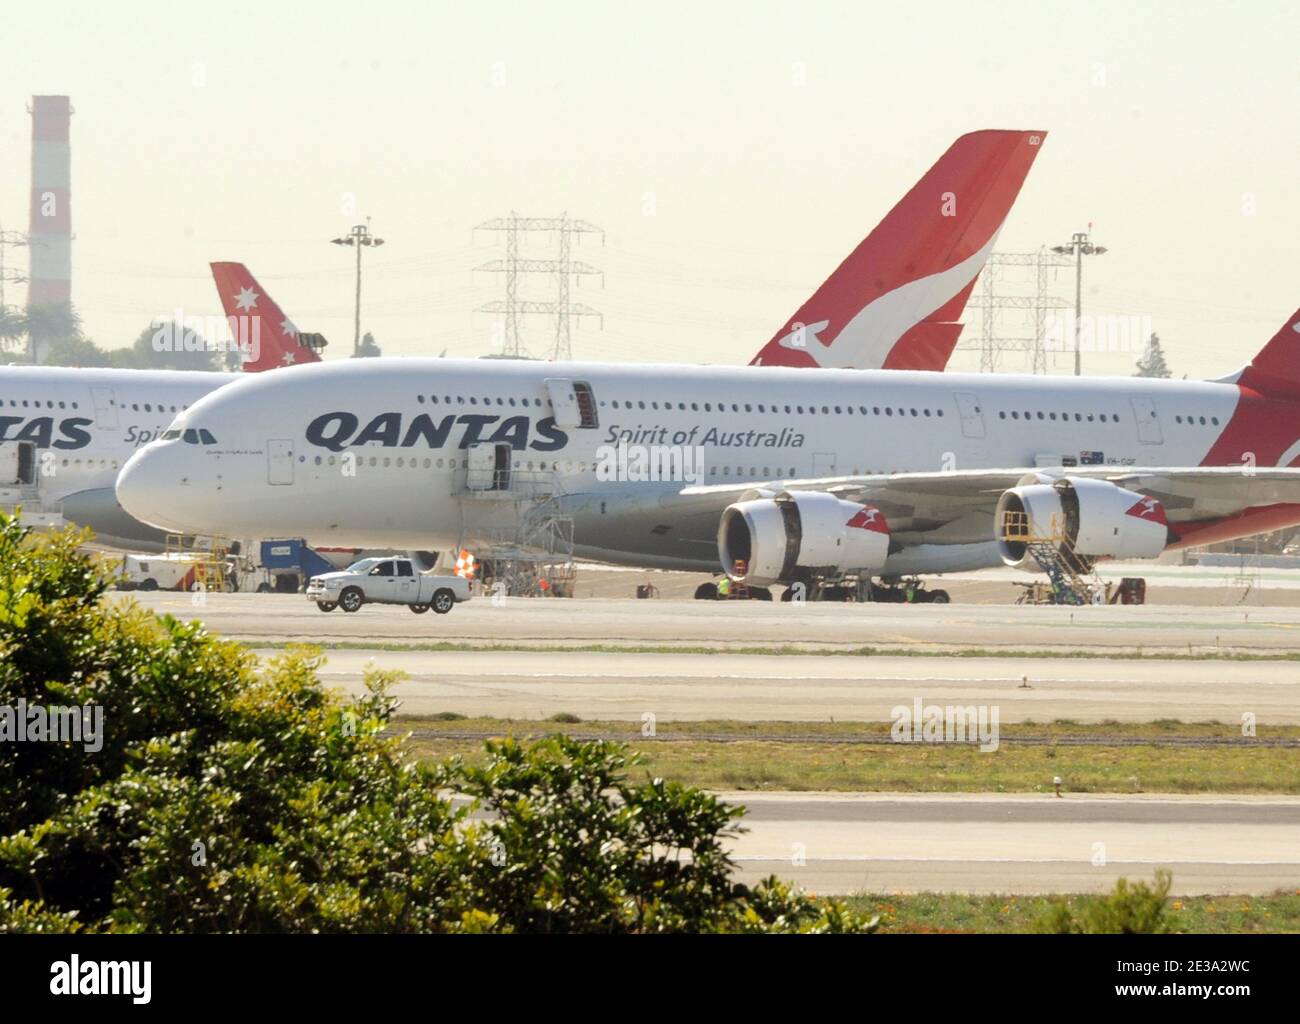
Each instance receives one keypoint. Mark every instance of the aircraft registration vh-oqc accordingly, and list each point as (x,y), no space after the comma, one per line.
(789,474)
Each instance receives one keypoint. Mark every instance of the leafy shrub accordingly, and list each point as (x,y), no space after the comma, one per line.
(234,796)
(1129,909)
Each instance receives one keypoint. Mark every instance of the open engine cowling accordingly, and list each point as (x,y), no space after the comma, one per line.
(1091,518)
(796,534)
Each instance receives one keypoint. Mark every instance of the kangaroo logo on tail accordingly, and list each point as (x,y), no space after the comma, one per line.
(895,301)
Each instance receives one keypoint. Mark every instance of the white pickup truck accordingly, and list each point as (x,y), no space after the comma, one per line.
(386,581)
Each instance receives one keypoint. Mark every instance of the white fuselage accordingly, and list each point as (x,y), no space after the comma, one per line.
(375,452)
(84,424)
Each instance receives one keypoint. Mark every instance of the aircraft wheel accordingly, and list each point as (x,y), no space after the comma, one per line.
(443,601)
(939,597)
(351,599)
(706,592)
(326,606)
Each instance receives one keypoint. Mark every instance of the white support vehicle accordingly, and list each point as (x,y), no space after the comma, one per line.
(387,581)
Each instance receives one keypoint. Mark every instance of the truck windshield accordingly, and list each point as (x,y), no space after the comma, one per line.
(363,565)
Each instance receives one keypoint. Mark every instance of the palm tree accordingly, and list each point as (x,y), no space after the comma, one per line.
(49,322)
(13,326)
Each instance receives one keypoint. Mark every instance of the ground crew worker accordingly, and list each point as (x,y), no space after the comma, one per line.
(724,587)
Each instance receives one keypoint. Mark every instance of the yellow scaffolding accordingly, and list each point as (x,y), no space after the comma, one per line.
(1053,550)
(208,563)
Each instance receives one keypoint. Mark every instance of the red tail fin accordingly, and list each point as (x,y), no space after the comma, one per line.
(1276,370)
(269,337)
(894,302)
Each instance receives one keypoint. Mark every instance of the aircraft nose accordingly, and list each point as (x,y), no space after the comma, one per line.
(144,490)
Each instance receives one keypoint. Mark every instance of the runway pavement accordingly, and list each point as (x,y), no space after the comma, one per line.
(843,843)
(758,687)
(836,843)
(750,624)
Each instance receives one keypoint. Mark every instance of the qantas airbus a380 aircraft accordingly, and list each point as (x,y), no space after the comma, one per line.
(66,431)
(800,474)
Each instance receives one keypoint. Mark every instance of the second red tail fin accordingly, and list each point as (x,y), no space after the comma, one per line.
(1276,369)
(268,337)
(894,302)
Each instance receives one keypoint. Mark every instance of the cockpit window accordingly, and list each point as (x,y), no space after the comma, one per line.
(199,436)
(191,436)
(171,435)
(206,436)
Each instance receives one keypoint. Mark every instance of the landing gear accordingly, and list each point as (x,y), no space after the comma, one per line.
(712,592)
(896,591)
(908,592)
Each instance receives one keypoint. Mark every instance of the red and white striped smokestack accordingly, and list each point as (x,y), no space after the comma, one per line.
(50,244)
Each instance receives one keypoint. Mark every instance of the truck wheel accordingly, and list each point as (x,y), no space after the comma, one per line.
(443,601)
(326,606)
(706,592)
(419,609)
(351,599)
(149,584)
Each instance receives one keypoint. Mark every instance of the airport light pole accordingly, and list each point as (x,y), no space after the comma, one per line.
(1079,247)
(359,236)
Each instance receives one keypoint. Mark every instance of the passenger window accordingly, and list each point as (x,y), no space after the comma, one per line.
(404,569)
(382,569)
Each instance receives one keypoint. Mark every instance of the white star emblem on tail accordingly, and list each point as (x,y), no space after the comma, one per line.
(247,298)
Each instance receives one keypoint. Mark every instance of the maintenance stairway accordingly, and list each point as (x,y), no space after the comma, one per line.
(514,516)
(1073,578)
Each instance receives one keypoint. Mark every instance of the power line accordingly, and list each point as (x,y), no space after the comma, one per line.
(563,267)
(998,294)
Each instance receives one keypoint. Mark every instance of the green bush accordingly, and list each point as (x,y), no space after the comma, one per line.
(234,796)
(1129,909)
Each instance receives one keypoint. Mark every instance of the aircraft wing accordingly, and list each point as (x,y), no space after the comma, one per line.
(929,502)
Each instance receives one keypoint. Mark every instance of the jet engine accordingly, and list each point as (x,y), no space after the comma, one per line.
(1083,518)
(797,534)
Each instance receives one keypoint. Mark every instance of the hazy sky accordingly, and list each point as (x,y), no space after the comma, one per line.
(768,138)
